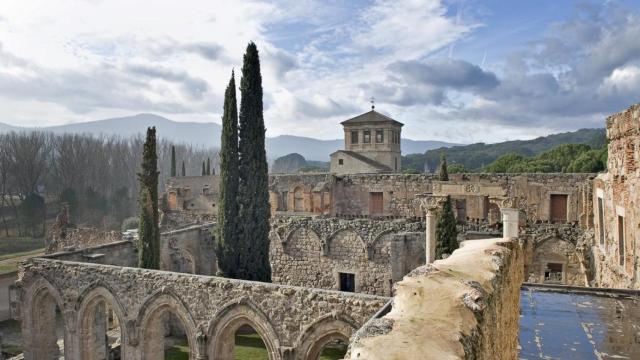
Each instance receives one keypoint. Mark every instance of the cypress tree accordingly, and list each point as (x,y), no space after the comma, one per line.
(227,230)
(149,231)
(443,173)
(173,161)
(184,172)
(446,232)
(204,172)
(253,193)
(208,166)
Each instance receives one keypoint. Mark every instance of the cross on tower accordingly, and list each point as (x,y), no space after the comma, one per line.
(373,100)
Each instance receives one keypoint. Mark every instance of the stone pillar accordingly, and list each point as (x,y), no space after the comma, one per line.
(430,245)
(510,223)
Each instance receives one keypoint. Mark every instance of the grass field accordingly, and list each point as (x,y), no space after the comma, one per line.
(248,347)
(16,249)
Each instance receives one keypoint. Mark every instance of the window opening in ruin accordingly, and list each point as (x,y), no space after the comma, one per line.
(165,337)
(354,137)
(379,136)
(621,238)
(559,208)
(376,201)
(601,220)
(340,161)
(347,282)
(104,332)
(553,273)
(336,349)
(285,201)
(396,159)
(249,344)
(298,200)
(366,136)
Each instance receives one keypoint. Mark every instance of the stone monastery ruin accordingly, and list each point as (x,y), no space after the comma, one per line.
(352,257)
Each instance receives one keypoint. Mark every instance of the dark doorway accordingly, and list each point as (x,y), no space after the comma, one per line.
(559,208)
(347,282)
(553,273)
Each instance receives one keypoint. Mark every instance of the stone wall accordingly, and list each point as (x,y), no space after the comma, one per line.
(81,238)
(189,250)
(312,252)
(120,253)
(463,307)
(615,202)
(294,322)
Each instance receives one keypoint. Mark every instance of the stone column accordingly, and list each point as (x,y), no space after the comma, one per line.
(430,245)
(510,223)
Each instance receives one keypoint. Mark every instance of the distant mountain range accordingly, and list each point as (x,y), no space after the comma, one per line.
(476,156)
(208,135)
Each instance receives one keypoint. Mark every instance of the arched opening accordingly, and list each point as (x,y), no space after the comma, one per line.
(101,325)
(326,339)
(47,326)
(333,347)
(249,345)
(165,336)
(242,332)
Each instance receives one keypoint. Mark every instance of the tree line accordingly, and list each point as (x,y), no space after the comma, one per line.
(95,175)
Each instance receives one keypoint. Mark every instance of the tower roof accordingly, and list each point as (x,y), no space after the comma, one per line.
(371,117)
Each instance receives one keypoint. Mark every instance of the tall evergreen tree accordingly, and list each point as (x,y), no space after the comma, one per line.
(204,172)
(149,231)
(253,194)
(228,249)
(184,172)
(443,173)
(208,166)
(173,161)
(446,232)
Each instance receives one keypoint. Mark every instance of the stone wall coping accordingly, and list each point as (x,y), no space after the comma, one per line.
(83,251)
(569,289)
(202,277)
(189,228)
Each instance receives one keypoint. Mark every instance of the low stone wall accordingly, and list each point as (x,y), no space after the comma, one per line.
(120,253)
(81,238)
(463,307)
(294,322)
(6,281)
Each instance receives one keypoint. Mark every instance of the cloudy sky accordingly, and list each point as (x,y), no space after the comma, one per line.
(463,71)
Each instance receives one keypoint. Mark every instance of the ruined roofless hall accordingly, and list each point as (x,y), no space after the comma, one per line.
(351,255)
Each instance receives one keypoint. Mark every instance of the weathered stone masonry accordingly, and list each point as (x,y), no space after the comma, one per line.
(210,310)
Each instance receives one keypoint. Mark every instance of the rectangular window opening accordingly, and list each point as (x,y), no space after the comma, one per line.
(553,273)
(347,282)
(340,161)
(621,239)
(379,136)
(601,220)
(366,136)
(354,137)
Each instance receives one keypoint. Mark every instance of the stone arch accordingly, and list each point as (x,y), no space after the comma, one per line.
(90,304)
(39,330)
(151,317)
(291,242)
(223,327)
(378,245)
(316,336)
(551,253)
(332,238)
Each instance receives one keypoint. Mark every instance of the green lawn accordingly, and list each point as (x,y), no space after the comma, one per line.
(14,246)
(248,347)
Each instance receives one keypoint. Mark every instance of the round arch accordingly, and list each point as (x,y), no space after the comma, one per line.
(331,238)
(327,329)
(92,300)
(39,321)
(223,327)
(312,234)
(150,320)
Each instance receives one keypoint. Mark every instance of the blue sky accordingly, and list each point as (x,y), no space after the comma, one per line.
(462,71)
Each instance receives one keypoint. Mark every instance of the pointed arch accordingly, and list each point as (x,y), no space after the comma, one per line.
(39,320)
(150,318)
(223,326)
(90,302)
(333,235)
(317,335)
